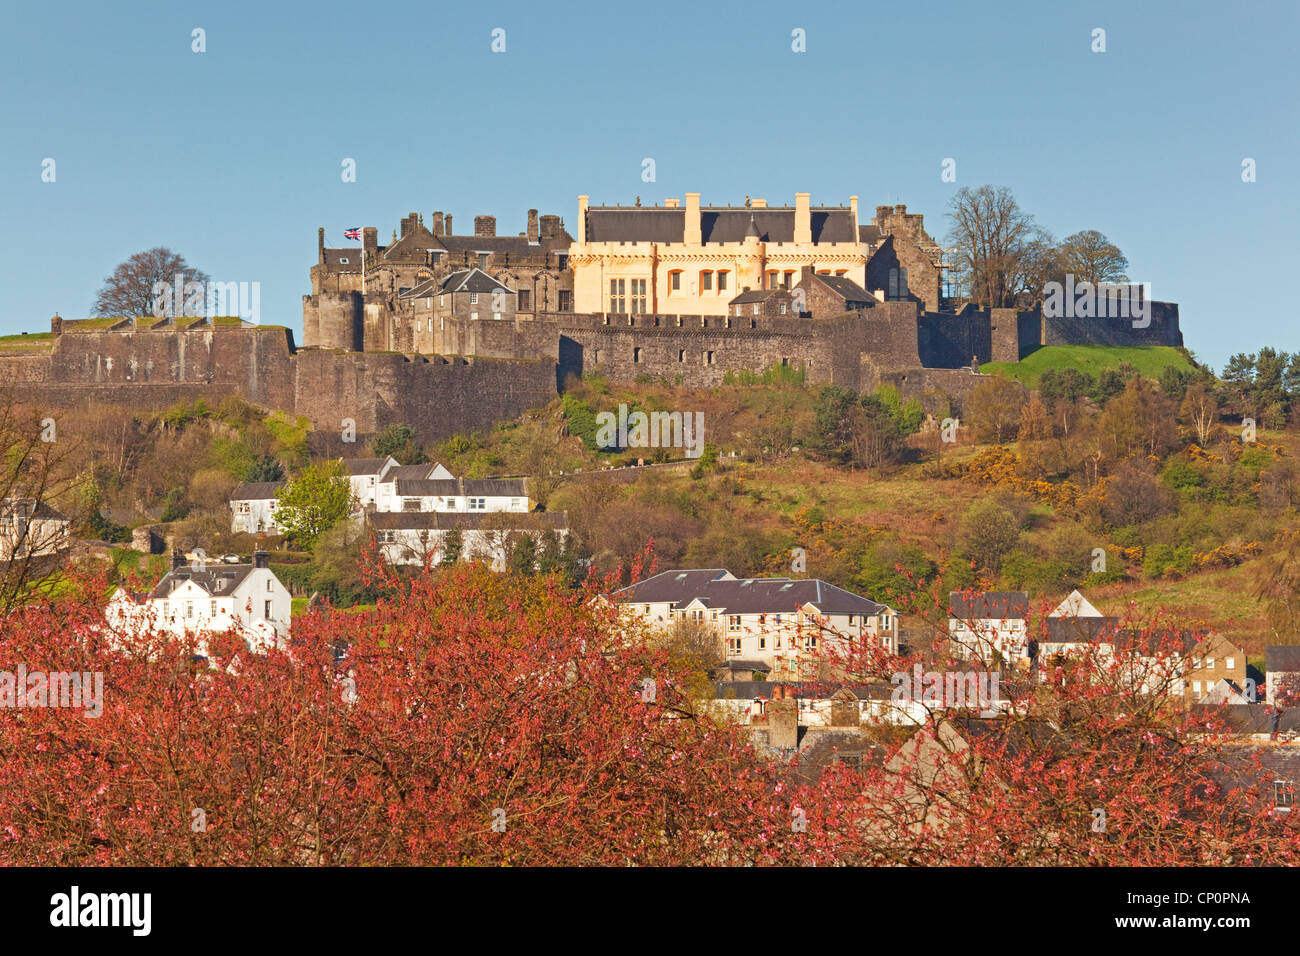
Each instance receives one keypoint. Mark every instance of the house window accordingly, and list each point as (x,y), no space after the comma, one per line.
(1196,687)
(496,315)
(1209,664)
(1230,663)
(733,647)
(516,504)
(810,642)
(722,281)
(733,622)
(778,642)
(762,642)
(266,610)
(270,584)
(474,316)
(675,281)
(638,296)
(189,609)
(482,259)
(478,504)
(783,308)
(212,609)
(617,296)
(410,504)
(473,298)
(755,308)
(525,300)
(442,299)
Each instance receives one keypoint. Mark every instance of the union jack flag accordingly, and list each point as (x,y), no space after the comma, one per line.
(352,233)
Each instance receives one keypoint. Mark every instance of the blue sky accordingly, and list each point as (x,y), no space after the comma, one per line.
(232,157)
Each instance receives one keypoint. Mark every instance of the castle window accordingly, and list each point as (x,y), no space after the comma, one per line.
(704,321)
(617,296)
(681,355)
(675,280)
(787,278)
(525,300)
(706,281)
(343,260)
(840,272)
(772,280)
(566,300)
(755,308)
(473,316)
(783,308)
(442,299)
(442,323)
(482,260)
(753,323)
(496,315)
(679,321)
(636,355)
(708,358)
(473,298)
(638,296)
(722,280)
(728,323)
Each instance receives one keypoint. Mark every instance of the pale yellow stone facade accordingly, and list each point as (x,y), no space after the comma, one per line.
(690,268)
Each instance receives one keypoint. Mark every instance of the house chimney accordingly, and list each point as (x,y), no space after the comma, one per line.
(408,223)
(692,234)
(261,559)
(783,720)
(582,219)
(446,225)
(437,223)
(532,225)
(178,559)
(802,218)
(672,203)
(485,225)
(552,228)
(853,205)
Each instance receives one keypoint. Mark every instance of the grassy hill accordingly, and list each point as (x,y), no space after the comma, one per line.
(1092,359)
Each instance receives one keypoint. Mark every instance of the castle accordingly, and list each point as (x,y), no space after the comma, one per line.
(450,333)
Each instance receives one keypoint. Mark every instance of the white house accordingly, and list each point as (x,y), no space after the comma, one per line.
(252,507)
(417,537)
(364,475)
(981,624)
(460,495)
(386,486)
(29,527)
(774,620)
(245,598)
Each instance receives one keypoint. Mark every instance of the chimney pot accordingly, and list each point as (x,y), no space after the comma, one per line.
(178,559)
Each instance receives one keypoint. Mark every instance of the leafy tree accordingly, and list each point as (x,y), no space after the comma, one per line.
(994,407)
(265,468)
(129,289)
(1090,257)
(987,534)
(313,502)
(398,441)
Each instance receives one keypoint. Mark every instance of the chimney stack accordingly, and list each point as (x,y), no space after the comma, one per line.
(485,225)
(261,559)
(370,239)
(551,227)
(320,244)
(532,225)
(178,559)
(802,218)
(582,219)
(692,235)
(446,225)
(783,719)
(672,203)
(437,223)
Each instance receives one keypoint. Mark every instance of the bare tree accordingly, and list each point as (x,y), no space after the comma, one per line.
(130,289)
(999,248)
(37,472)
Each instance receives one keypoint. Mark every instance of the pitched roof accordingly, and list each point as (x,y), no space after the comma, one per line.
(667,224)
(365,466)
(1075,605)
(447,487)
(473,280)
(408,472)
(758,295)
(746,595)
(31,508)
(989,605)
(1282,657)
(219,580)
(1257,718)
(255,490)
(845,287)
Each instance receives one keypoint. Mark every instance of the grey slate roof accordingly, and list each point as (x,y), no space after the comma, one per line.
(666,224)
(218,579)
(758,295)
(255,490)
(1257,718)
(408,472)
(364,466)
(1079,630)
(746,595)
(990,605)
(447,487)
(1281,657)
(31,508)
(472,280)
(846,287)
